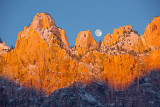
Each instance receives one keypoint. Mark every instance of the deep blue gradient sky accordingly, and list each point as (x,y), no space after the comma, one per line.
(77,15)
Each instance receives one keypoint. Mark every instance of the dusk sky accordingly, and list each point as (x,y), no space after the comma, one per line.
(77,15)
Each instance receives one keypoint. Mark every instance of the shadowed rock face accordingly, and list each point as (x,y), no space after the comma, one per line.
(1,98)
(43,57)
(98,94)
(144,94)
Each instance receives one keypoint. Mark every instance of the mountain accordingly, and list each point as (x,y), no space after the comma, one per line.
(85,42)
(43,58)
(4,48)
(41,53)
(152,33)
(144,93)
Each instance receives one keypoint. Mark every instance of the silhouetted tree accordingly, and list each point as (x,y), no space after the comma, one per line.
(12,47)
(1,40)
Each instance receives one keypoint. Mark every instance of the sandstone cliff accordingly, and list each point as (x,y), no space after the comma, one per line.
(85,42)
(43,58)
(4,48)
(152,33)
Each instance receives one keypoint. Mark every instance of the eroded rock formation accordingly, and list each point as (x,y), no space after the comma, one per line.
(43,59)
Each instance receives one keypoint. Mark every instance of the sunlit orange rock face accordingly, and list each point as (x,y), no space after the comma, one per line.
(154,59)
(118,34)
(4,48)
(121,70)
(40,57)
(43,59)
(85,42)
(152,33)
(126,39)
(64,38)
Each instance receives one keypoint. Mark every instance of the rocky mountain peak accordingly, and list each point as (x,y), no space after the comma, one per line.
(152,33)
(40,56)
(84,41)
(4,48)
(117,35)
(43,26)
(42,20)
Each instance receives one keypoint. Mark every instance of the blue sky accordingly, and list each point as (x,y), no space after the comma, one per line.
(77,15)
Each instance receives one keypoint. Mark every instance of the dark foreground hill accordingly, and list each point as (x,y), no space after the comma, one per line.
(144,93)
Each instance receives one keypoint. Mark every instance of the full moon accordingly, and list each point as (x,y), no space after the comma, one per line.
(98,32)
